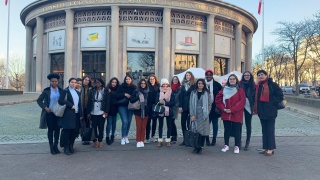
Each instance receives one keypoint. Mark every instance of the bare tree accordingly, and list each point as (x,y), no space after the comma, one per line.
(296,40)
(146,61)
(17,73)
(2,74)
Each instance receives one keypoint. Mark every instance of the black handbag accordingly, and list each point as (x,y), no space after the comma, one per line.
(157,108)
(282,104)
(217,111)
(87,134)
(191,137)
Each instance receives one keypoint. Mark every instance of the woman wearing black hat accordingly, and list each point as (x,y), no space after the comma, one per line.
(98,108)
(46,100)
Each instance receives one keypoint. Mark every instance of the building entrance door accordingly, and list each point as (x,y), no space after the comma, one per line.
(94,64)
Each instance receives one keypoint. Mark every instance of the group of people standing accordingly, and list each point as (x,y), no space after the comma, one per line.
(89,103)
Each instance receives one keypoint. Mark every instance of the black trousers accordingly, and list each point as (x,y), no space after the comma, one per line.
(154,126)
(174,132)
(232,128)
(169,119)
(268,134)
(248,120)
(53,129)
(85,122)
(185,121)
(98,126)
(203,138)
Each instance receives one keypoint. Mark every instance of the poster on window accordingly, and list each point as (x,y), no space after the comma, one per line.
(56,40)
(187,40)
(141,37)
(93,37)
(35,46)
(222,45)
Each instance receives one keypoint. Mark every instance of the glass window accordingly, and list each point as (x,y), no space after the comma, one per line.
(183,62)
(220,66)
(94,64)
(140,65)
(57,66)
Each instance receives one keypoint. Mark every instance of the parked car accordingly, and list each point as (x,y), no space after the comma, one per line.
(303,88)
(287,89)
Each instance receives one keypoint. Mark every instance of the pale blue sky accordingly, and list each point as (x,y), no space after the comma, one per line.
(275,10)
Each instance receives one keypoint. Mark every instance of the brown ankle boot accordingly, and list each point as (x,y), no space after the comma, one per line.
(100,144)
(159,144)
(168,144)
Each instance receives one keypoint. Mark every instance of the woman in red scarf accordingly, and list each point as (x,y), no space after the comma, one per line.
(268,95)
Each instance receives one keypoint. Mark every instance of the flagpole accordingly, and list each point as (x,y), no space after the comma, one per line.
(7,65)
(262,45)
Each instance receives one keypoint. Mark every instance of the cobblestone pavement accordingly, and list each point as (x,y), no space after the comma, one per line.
(19,124)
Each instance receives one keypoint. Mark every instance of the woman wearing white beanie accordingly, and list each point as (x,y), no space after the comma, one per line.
(165,97)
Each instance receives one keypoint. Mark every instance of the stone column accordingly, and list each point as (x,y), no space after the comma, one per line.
(210,42)
(165,61)
(248,62)
(29,53)
(39,55)
(114,54)
(238,47)
(68,47)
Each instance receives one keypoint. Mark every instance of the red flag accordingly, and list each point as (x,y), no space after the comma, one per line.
(6,2)
(259,7)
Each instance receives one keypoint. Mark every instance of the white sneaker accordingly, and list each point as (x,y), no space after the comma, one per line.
(146,141)
(123,142)
(141,144)
(225,148)
(138,144)
(126,140)
(236,150)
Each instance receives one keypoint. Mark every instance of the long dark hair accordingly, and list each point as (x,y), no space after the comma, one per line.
(192,79)
(124,80)
(139,84)
(228,84)
(205,89)
(177,78)
(251,80)
(109,86)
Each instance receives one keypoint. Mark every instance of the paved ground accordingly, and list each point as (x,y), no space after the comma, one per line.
(24,152)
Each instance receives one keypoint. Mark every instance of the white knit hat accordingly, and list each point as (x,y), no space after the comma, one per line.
(164,81)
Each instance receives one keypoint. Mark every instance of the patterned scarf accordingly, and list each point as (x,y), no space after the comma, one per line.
(143,97)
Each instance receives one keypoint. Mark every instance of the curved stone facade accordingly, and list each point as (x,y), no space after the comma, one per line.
(107,38)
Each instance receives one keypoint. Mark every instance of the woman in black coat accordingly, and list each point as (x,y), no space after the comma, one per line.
(268,95)
(123,95)
(46,100)
(98,109)
(113,110)
(70,121)
(249,87)
(188,85)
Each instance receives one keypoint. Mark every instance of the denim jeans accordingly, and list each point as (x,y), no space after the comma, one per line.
(126,116)
(111,123)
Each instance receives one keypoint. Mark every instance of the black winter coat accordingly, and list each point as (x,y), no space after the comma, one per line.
(153,91)
(125,88)
(170,104)
(250,93)
(185,97)
(216,88)
(105,104)
(69,119)
(268,110)
(44,98)
(148,107)
(113,110)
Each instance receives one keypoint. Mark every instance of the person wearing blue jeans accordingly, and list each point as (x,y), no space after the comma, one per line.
(112,116)
(124,93)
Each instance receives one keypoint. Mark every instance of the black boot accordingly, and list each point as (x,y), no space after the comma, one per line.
(55,147)
(112,139)
(67,149)
(108,140)
(71,148)
(52,151)
(207,141)
(213,141)
(246,147)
